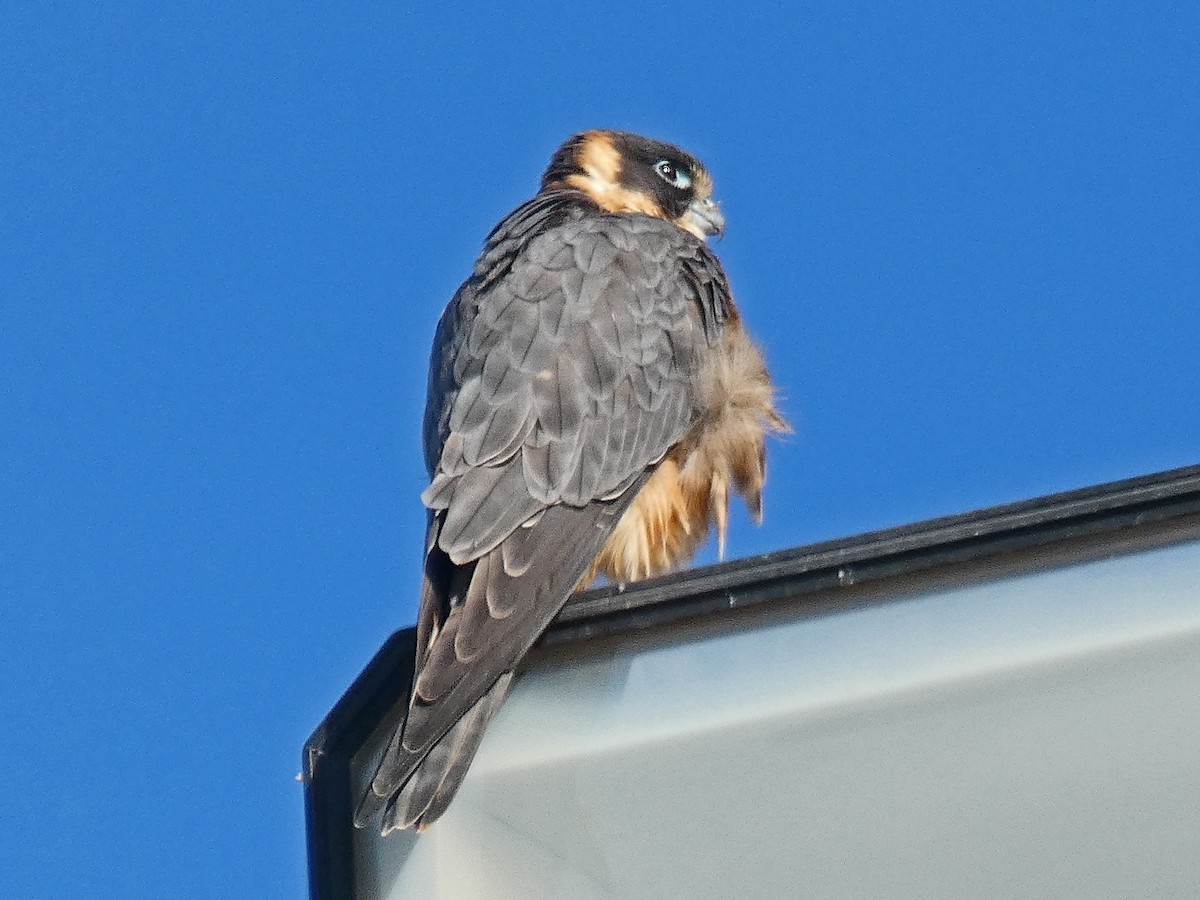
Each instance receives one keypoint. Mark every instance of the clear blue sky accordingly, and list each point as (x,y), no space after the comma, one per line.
(969,240)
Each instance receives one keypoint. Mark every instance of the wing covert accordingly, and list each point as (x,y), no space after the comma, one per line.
(561,380)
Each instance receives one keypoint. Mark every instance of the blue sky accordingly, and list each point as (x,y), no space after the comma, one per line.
(967,238)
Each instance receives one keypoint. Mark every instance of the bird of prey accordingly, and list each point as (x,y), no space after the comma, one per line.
(593,397)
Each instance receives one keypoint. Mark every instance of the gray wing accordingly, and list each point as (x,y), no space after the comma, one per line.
(567,377)
(556,386)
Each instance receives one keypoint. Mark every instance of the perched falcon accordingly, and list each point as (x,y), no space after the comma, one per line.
(593,397)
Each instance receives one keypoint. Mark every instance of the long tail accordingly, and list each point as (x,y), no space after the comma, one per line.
(436,780)
(476,622)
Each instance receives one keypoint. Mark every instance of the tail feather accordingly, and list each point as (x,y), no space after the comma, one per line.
(437,779)
(477,621)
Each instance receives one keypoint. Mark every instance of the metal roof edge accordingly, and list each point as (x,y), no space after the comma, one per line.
(1096,510)
(327,754)
(1109,508)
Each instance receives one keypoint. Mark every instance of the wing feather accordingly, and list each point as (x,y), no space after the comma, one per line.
(562,373)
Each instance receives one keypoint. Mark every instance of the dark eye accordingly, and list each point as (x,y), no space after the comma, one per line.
(673,174)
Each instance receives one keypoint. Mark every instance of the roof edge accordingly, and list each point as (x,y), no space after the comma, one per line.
(1100,509)
(1133,507)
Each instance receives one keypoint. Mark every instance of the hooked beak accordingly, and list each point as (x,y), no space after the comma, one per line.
(705,218)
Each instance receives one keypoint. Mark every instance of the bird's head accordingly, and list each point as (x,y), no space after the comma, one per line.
(626,173)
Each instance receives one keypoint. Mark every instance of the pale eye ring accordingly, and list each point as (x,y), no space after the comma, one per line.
(673,174)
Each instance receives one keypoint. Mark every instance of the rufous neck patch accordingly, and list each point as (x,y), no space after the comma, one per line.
(601,179)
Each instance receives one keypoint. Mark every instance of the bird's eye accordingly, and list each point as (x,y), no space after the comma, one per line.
(673,174)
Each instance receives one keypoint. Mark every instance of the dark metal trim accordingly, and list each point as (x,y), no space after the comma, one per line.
(328,794)
(1118,509)
(909,549)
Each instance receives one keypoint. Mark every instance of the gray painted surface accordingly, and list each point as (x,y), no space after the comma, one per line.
(1028,735)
